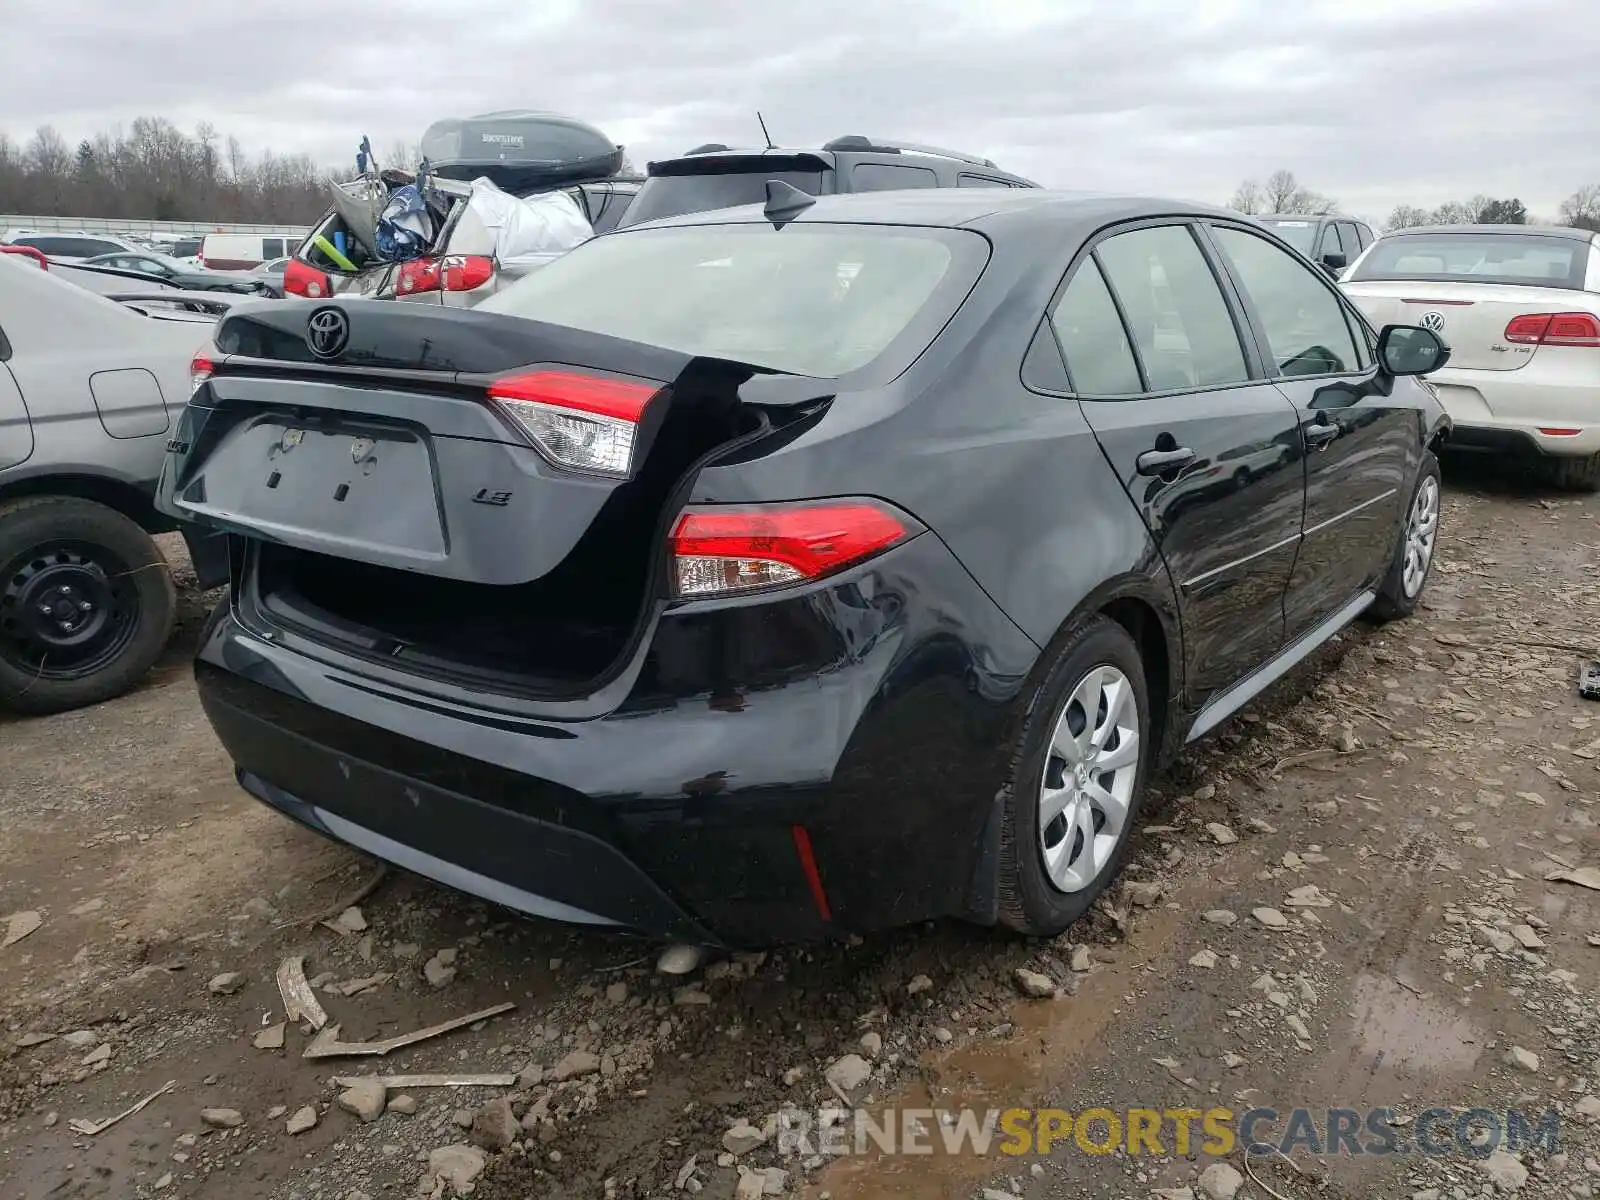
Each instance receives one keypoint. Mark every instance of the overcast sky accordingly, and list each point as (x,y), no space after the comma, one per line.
(1374,102)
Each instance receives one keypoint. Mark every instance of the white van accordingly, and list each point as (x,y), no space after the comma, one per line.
(245,251)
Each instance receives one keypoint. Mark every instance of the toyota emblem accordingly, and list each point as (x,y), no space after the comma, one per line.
(1432,321)
(328,332)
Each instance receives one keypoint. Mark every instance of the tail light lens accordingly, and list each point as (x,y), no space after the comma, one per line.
(200,369)
(1554,329)
(302,279)
(726,550)
(583,422)
(452,273)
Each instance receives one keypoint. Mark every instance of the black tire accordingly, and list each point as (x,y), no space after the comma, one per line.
(51,543)
(1393,603)
(1576,474)
(1029,902)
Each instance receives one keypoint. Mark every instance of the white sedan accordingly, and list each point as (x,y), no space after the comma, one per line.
(1519,306)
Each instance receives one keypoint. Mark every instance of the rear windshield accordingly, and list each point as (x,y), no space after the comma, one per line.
(1302,235)
(1525,259)
(675,195)
(821,300)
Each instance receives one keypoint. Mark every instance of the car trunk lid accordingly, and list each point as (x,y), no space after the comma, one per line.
(1477,321)
(465,492)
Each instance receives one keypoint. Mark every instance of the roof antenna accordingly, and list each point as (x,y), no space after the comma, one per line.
(784,203)
(771,145)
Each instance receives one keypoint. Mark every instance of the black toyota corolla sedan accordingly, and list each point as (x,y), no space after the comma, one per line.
(771,573)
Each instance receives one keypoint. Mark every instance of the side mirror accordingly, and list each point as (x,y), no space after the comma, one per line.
(1334,261)
(1411,350)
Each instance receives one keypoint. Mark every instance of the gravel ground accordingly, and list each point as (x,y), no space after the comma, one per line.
(1345,899)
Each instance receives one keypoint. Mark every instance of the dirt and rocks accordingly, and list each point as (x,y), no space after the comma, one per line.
(1373,889)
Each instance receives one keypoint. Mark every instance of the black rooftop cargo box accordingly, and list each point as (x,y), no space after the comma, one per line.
(521,151)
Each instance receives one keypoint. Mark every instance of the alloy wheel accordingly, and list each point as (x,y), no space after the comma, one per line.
(1089,775)
(1422,527)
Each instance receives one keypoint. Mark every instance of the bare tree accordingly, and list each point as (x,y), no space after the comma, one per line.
(1455,212)
(1582,208)
(1247,198)
(1407,216)
(236,160)
(403,155)
(156,171)
(1285,194)
(1282,193)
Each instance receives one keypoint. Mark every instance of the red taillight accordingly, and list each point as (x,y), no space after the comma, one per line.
(302,279)
(585,422)
(1559,431)
(737,548)
(1554,329)
(200,368)
(452,273)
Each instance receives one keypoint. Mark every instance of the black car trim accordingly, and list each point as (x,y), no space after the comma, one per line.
(1224,704)
(408,858)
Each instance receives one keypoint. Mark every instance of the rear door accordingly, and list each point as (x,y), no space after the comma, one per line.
(1199,440)
(1361,447)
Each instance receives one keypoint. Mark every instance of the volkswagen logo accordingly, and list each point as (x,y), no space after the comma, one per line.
(1433,321)
(328,332)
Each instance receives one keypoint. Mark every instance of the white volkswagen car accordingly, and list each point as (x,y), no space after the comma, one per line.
(1519,306)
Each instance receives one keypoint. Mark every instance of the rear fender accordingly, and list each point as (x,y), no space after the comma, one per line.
(1145,605)
(1132,599)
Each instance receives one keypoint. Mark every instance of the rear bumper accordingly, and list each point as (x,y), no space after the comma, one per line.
(823,764)
(1507,410)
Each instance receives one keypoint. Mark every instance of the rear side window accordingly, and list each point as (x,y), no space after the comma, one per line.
(1099,358)
(885,177)
(1180,323)
(1528,260)
(675,195)
(821,300)
(271,248)
(1303,321)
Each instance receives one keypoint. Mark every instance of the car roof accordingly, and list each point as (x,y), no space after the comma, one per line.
(1568,232)
(958,207)
(1306,217)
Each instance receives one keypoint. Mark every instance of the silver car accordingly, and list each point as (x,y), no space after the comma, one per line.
(90,388)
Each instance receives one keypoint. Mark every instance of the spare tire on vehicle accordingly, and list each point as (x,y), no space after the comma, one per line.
(521,151)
